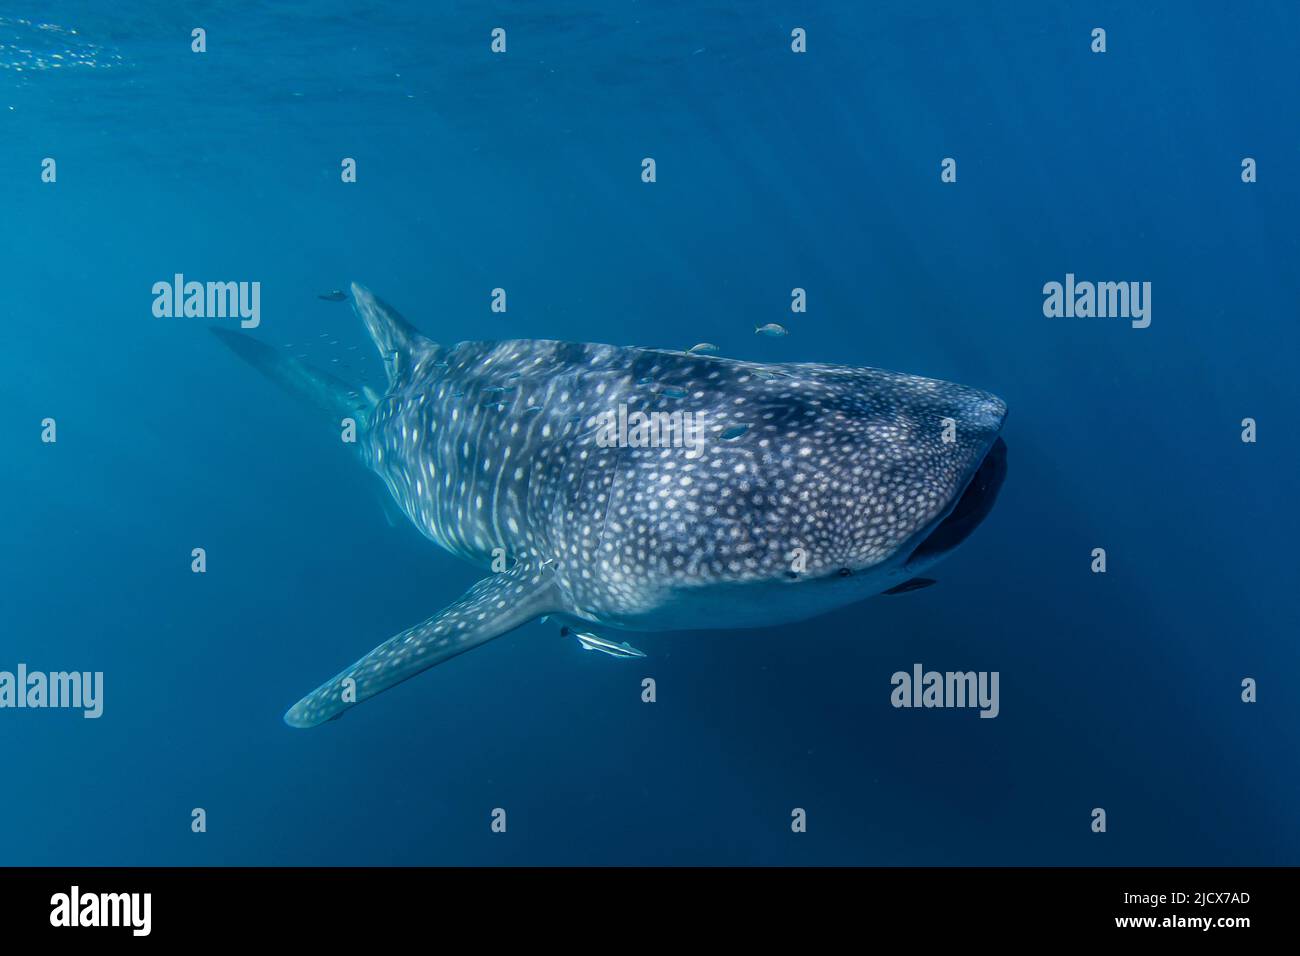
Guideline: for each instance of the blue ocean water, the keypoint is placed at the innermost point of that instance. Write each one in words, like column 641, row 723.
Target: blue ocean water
column 775, row 170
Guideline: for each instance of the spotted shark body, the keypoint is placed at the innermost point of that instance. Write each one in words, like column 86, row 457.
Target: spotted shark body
column 808, row 487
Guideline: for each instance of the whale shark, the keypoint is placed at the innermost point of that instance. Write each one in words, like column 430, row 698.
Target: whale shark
column 810, row 486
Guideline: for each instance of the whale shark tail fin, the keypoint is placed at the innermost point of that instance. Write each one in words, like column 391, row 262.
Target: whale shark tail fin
column 397, row 340
column 497, row 604
column 320, row 389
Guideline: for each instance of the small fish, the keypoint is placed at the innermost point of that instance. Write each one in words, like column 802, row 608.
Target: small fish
column 771, row 329
column 673, row 392
column 334, row 295
column 915, row 584
column 703, row 348
column 592, row 642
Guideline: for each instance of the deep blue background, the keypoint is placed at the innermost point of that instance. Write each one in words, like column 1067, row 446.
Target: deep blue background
column 775, row 171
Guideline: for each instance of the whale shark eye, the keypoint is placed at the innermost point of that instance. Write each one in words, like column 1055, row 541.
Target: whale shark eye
column 845, row 572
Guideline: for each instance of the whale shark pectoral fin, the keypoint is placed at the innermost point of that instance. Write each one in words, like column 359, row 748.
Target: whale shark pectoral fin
column 492, row 607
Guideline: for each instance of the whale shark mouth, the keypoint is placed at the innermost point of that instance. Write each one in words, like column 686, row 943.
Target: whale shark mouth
column 972, row 507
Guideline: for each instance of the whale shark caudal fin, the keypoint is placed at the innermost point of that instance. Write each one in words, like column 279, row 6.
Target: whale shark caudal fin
column 319, row 389
column 397, row 340
column 492, row 607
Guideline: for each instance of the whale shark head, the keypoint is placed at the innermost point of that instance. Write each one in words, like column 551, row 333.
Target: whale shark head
column 818, row 485
column 903, row 469
column 926, row 472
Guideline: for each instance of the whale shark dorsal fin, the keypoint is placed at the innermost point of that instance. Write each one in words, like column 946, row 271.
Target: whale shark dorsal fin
column 492, row 607
column 398, row 341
